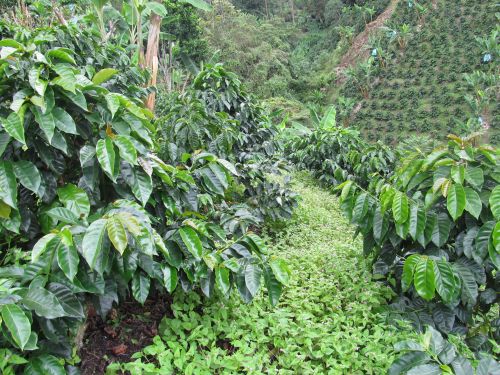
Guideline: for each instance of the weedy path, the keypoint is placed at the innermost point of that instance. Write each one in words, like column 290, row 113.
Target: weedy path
column 328, row 320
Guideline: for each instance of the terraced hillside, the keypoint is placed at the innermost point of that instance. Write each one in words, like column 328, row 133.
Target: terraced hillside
column 420, row 87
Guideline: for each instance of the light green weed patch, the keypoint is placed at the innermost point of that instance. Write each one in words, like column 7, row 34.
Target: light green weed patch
column 328, row 320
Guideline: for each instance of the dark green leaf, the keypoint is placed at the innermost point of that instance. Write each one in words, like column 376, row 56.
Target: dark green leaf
column 495, row 202
column 17, row 323
column 44, row 365
column 67, row 256
column 191, row 240
column 407, row 361
column 400, row 207
column 14, row 126
column 170, row 278
column 106, row 156
column 222, row 279
column 126, row 148
column 93, row 242
column 441, row 230
column 482, row 241
column 140, row 287
column 445, row 280
column 64, row 121
column 28, row 175
column 473, row 204
column 8, row 184
column 253, row 274
column 424, row 278
column 409, row 271
column 44, row 303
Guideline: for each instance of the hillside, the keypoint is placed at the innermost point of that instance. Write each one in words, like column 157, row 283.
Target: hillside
column 421, row 88
column 185, row 189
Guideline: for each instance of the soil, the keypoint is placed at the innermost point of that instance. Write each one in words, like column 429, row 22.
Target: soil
column 357, row 51
column 128, row 329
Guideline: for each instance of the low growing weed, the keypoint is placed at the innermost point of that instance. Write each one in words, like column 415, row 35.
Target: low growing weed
column 328, row 321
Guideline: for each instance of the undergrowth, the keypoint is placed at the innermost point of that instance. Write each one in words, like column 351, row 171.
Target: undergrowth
column 330, row 319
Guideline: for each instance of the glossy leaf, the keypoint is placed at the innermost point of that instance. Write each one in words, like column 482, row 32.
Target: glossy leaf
column 44, row 364
column 191, row 240
column 14, row 127
column 400, row 209
column 281, row 270
column 424, row 278
column 495, row 202
column 222, row 279
column 28, row 175
column 170, row 278
column 63, row 121
column 93, row 242
column 74, row 199
column 417, row 221
column 409, row 271
column 444, row 280
column 17, row 323
column 44, row 303
column 456, row 201
column 473, row 204
column 117, row 233
column 126, row 148
column 67, row 256
column 253, row 275
column 441, row 230
column 140, row 287
column 8, row 184
column 106, row 156
column 103, row 75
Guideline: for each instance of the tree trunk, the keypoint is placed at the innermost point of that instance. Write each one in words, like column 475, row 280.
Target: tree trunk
column 151, row 58
column 267, row 8
column 293, row 11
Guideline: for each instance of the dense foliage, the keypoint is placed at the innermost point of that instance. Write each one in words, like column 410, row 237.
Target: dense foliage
column 329, row 319
column 89, row 213
column 338, row 154
column 431, row 226
column 219, row 115
column 286, row 48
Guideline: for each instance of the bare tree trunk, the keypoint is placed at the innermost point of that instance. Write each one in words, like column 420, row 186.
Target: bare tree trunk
column 151, row 58
column 59, row 14
column 170, row 65
column 267, row 8
column 293, row 11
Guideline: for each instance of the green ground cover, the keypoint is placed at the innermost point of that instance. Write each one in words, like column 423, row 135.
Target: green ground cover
column 330, row 319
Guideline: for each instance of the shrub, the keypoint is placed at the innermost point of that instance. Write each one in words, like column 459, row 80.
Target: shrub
column 97, row 213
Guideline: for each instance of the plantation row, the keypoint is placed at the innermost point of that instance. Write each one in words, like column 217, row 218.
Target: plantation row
column 90, row 213
column 431, row 70
column 430, row 224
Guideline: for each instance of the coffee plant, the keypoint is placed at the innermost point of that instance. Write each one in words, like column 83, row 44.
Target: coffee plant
column 89, row 213
column 337, row 154
column 431, row 227
column 434, row 355
column 217, row 114
column 429, row 69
